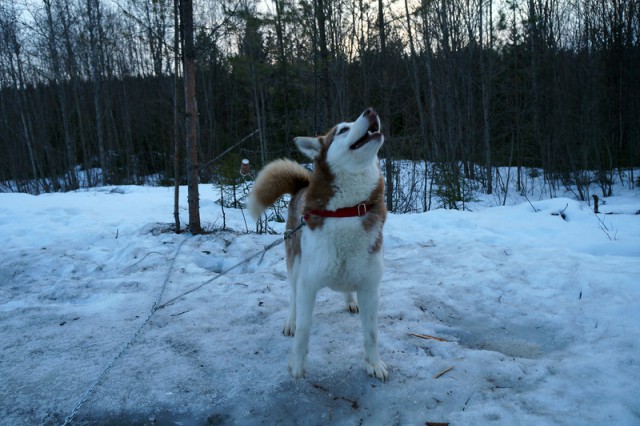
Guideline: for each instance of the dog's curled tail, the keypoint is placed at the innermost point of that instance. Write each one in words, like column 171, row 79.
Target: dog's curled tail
column 274, row 180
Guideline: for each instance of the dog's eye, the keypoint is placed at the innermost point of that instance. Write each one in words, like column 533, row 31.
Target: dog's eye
column 344, row 129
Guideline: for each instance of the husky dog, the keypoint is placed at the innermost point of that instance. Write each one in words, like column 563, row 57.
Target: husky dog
column 342, row 205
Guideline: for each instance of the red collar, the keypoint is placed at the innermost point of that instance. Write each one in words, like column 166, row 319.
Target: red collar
column 355, row 211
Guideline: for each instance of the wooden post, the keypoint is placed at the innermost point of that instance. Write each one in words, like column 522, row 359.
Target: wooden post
column 191, row 116
column 177, row 140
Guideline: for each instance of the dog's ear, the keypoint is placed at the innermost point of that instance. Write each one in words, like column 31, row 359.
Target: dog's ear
column 309, row 146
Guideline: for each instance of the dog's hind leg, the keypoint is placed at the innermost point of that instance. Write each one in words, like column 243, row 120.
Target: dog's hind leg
column 290, row 325
column 305, row 301
column 352, row 304
column 368, row 299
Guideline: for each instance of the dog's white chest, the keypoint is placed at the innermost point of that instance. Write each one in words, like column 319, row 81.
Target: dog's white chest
column 339, row 253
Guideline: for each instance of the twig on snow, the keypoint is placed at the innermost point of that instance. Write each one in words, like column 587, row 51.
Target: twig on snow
column 603, row 227
column 561, row 213
column 442, row 373
column 426, row 336
column 530, row 203
column 143, row 258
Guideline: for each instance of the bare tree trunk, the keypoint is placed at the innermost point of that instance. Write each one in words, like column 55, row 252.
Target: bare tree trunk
column 70, row 152
column 424, row 134
column 535, row 94
column 191, row 116
column 72, row 70
column 258, row 106
column 93, row 16
column 435, row 151
column 386, row 110
column 155, row 15
column 284, row 87
column 416, row 77
column 176, row 124
column 17, row 76
column 324, row 64
column 485, row 70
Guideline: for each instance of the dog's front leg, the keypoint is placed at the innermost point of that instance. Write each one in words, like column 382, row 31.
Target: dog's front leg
column 305, row 301
column 368, row 301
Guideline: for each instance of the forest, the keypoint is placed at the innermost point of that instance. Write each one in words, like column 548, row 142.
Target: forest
column 91, row 91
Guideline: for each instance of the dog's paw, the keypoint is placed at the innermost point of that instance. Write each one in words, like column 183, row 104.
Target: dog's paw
column 352, row 303
column 289, row 329
column 296, row 368
column 378, row 370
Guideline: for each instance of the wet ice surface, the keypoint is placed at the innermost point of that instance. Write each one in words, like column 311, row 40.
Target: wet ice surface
column 539, row 314
column 516, row 342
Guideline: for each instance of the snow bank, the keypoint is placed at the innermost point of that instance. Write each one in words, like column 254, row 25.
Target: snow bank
column 539, row 315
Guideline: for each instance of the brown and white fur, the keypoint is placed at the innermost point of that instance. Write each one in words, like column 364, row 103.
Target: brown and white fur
column 344, row 254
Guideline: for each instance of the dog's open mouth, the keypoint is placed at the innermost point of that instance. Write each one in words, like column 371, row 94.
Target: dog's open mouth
column 372, row 133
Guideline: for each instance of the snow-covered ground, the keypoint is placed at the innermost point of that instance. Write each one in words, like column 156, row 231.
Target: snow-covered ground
column 541, row 317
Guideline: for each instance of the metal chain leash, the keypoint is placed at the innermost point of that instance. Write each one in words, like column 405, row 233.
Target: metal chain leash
column 91, row 388
column 156, row 306
column 288, row 234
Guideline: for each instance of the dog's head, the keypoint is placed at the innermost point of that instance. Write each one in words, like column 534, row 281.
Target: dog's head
column 348, row 146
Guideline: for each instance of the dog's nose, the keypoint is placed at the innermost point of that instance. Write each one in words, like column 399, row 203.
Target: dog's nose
column 370, row 115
